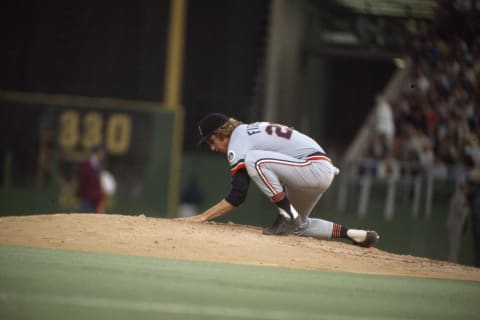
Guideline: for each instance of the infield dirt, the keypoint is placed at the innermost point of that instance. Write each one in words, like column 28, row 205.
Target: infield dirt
column 229, row 243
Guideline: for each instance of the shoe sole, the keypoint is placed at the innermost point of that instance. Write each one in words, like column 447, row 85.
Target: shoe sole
column 291, row 228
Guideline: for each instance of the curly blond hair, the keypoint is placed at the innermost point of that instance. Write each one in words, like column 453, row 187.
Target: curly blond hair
column 225, row 131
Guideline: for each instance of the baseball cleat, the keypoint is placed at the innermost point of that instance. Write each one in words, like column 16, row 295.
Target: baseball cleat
column 371, row 238
column 282, row 226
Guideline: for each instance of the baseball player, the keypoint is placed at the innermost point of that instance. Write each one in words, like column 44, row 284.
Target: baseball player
column 289, row 167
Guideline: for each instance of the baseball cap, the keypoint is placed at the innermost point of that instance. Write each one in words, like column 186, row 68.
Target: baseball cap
column 209, row 124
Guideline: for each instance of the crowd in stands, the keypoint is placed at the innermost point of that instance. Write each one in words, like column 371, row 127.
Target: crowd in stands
column 435, row 123
column 433, row 126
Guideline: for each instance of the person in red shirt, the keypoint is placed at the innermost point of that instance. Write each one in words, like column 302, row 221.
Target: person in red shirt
column 89, row 188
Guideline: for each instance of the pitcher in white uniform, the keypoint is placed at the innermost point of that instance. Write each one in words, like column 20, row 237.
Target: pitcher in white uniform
column 289, row 167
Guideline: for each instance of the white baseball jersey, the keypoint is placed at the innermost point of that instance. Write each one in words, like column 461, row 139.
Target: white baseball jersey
column 268, row 137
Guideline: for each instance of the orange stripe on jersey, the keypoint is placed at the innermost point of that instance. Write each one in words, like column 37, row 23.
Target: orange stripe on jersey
column 237, row 168
column 319, row 158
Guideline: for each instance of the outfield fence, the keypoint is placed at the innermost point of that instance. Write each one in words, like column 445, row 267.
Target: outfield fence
column 398, row 184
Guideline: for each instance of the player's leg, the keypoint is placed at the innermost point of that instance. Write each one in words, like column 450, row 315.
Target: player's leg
column 304, row 200
column 283, row 178
column 87, row 206
column 303, row 180
column 267, row 170
column 304, row 183
column 326, row 230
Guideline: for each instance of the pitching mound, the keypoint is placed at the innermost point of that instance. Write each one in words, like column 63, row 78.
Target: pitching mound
column 230, row 243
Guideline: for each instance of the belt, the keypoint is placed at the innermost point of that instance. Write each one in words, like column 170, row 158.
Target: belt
column 318, row 156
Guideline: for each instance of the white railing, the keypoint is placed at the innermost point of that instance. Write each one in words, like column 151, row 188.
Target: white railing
column 418, row 184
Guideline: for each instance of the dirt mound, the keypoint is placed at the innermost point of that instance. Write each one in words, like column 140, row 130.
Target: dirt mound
column 230, row 243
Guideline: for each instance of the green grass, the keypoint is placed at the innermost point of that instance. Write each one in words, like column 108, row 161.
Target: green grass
column 58, row 284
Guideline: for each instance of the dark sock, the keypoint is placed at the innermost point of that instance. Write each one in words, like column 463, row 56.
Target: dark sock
column 285, row 205
column 339, row 231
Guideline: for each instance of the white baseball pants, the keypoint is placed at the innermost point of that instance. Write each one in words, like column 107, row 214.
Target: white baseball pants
column 303, row 181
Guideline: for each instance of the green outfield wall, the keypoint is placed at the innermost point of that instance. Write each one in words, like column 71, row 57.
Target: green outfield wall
column 43, row 143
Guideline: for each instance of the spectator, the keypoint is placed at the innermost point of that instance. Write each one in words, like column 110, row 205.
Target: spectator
column 457, row 216
column 89, row 187
column 474, row 203
column 438, row 121
column 435, row 121
column 384, row 120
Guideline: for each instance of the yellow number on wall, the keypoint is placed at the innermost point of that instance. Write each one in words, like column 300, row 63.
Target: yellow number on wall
column 118, row 133
column 92, row 130
column 69, row 122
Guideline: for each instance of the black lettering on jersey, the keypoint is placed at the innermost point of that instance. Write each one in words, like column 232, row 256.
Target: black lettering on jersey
column 253, row 128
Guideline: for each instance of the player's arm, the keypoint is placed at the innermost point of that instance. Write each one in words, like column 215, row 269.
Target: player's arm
column 217, row 210
column 237, row 194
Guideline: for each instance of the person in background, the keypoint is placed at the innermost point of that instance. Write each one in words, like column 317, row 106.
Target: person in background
column 384, row 120
column 89, row 188
column 457, row 217
column 473, row 197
